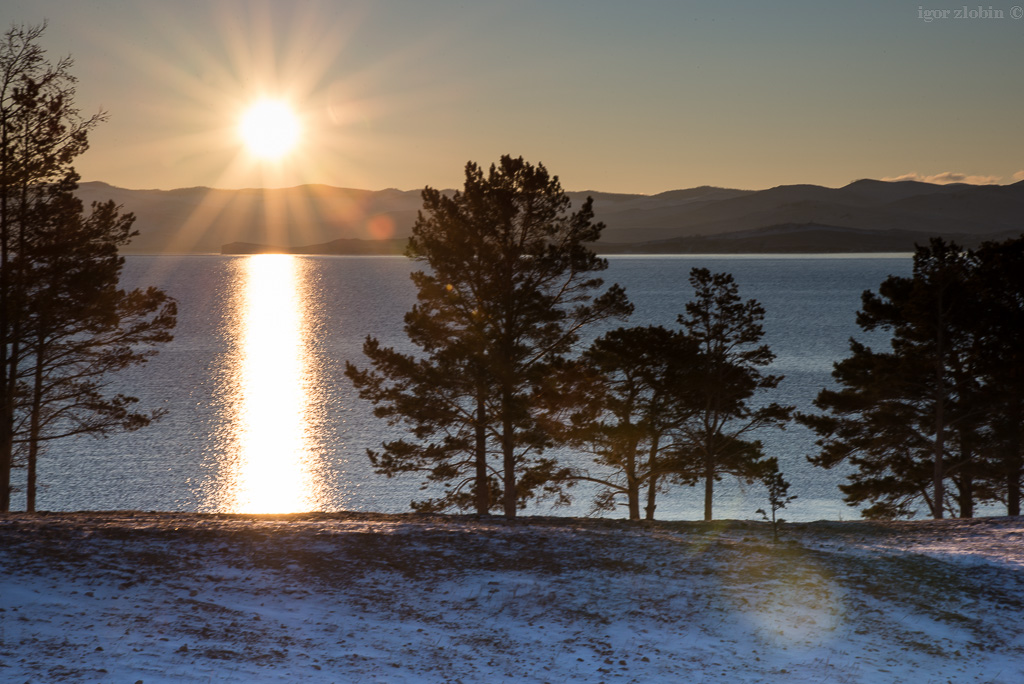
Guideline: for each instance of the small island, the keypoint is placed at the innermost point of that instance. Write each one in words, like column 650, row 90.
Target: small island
column 353, row 246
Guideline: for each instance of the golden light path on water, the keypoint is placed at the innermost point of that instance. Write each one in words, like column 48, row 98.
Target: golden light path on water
column 274, row 469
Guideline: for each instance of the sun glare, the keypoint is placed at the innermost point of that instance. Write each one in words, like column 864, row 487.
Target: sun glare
column 277, row 464
column 269, row 129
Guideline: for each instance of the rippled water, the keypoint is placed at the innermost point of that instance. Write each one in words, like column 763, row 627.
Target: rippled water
column 261, row 418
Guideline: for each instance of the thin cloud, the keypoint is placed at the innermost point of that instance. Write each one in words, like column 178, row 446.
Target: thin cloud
column 1019, row 176
column 953, row 177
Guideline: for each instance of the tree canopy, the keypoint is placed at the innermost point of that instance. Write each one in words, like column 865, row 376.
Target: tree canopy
column 510, row 283
column 940, row 406
column 633, row 388
column 65, row 325
column 718, row 437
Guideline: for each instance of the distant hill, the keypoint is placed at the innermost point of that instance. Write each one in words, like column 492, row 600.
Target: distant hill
column 202, row 220
column 866, row 215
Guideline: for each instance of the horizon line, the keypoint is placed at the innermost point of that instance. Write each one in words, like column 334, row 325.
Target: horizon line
column 892, row 181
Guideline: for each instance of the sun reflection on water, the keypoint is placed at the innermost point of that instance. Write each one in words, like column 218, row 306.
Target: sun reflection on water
column 275, row 465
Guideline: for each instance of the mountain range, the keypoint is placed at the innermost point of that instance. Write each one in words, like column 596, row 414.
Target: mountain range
column 864, row 216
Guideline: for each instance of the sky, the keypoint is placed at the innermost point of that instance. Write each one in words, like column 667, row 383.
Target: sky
column 612, row 96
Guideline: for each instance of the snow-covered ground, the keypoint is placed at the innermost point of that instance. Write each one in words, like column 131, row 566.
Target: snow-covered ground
column 159, row 597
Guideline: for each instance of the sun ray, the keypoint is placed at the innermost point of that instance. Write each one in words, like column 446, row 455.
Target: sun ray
column 293, row 57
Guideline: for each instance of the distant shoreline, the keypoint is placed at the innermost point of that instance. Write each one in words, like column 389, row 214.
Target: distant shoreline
column 774, row 241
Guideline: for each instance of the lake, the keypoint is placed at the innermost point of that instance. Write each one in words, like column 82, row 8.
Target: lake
column 260, row 417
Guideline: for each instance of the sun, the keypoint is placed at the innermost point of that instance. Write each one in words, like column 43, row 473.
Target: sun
column 269, row 129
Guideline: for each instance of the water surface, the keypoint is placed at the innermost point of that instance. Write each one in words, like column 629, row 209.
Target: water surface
column 261, row 418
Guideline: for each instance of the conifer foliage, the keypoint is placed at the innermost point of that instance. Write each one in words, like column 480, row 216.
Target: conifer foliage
column 935, row 419
column 509, row 284
column 719, row 436
column 779, row 497
column 65, row 325
column 658, row 406
column 635, row 389
column 999, row 316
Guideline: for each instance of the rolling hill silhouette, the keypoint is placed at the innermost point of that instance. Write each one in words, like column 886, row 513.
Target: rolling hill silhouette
column 866, row 215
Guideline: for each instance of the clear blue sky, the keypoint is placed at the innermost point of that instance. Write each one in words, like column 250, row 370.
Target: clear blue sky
column 615, row 96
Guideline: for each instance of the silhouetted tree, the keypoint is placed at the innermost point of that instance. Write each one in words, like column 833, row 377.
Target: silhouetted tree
column 903, row 417
column 636, row 392
column 82, row 329
column 64, row 324
column 445, row 403
column 727, row 332
column 778, row 497
column 511, row 282
column 998, row 272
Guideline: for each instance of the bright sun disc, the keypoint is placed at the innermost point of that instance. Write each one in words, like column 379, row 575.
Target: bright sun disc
column 269, row 129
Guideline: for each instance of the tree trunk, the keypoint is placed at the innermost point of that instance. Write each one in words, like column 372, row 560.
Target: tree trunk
column 14, row 303
column 966, row 498
column 6, row 403
column 632, row 482
column 633, row 492
column 483, row 488
column 8, row 366
column 939, row 446
column 6, row 451
column 652, row 478
column 35, row 417
column 1015, row 462
column 511, row 500
column 11, row 360
column 938, row 474
column 709, row 485
column 1014, row 472
column 652, row 487
column 33, row 443
column 1013, row 489
column 6, row 407
column 965, row 485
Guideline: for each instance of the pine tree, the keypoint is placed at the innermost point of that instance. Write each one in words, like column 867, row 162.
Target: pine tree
column 511, row 283
column 779, row 497
column 727, row 332
column 82, row 329
column 636, row 391
column 64, row 323
column 904, row 417
column 998, row 270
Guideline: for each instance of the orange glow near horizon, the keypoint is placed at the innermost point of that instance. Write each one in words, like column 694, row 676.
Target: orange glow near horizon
column 261, row 109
